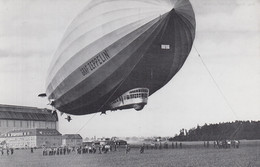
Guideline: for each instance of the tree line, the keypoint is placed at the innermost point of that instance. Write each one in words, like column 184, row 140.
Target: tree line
column 238, row 130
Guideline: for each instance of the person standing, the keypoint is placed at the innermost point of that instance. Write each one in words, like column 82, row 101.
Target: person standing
column 58, row 151
column 64, row 151
column 127, row 149
column 12, row 151
column 99, row 149
column 142, row 149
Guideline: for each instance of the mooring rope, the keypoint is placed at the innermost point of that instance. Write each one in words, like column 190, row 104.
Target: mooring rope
column 216, row 84
column 220, row 91
column 86, row 122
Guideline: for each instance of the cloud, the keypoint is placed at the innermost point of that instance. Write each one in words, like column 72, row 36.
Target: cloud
column 16, row 46
column 240, row 18
column 34, row 26
column 232, row 44
column 30, row 31
column 205, row 7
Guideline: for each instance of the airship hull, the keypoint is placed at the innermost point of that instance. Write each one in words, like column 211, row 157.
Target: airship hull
column 146, row 53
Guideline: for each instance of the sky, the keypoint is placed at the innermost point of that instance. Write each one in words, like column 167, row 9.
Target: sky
column 227, row 38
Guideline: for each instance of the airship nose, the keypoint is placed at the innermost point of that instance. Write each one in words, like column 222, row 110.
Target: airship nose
column 172, row 11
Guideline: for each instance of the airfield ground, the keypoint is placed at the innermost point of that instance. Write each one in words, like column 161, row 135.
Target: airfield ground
column 191, row 155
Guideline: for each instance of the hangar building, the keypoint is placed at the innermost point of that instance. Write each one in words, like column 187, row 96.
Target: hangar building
column 22, row 127
column 20, row 117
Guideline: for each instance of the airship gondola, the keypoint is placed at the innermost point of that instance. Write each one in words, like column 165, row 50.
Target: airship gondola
column 117, row 53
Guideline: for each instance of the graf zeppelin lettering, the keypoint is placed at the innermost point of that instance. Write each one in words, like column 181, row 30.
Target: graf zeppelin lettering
column 94, row 63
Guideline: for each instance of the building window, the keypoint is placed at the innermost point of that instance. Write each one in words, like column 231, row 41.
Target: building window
column 0, row 123
column 3, row 124
column 21, row 124
column 53, row 125
column 14, row 123
column 27, row 124
column 41, row 124
column 6, row 123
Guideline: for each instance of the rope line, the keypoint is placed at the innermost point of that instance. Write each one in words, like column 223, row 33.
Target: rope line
column 221, row 92
column 87, row 122
column 216, row 84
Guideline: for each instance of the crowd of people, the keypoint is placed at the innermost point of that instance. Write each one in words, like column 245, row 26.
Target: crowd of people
column 165, row 145
column 223, row 144
column 9, row 151
column 227, row 144
column 103, row 149
column 56, row 151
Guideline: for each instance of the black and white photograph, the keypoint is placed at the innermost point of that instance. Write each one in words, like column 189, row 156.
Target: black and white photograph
column 130, row 83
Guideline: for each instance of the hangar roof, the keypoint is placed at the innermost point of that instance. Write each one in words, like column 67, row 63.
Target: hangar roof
column 8, row 112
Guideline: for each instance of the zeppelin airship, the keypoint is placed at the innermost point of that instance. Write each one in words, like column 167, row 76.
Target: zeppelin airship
column 117, row 53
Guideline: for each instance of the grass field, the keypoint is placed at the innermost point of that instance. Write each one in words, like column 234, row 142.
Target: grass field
column 248, row 155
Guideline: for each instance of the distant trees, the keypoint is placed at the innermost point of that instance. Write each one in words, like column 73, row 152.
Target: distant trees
column 238, row 130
